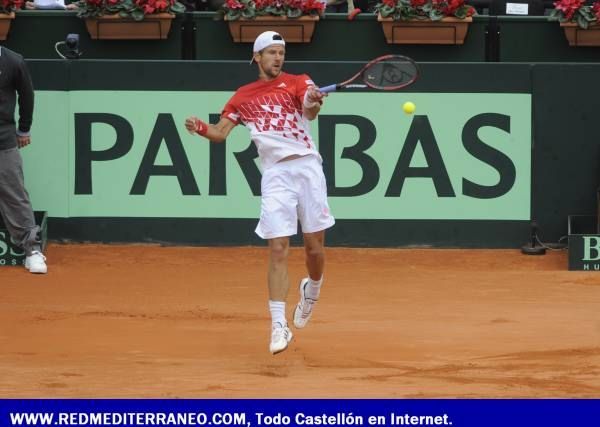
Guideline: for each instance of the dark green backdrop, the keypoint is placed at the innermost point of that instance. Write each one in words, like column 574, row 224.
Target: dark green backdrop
column 561, row 79
column 565, row 149
column 199, row 36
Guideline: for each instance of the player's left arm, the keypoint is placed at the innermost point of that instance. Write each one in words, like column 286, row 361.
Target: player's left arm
column 215, row 133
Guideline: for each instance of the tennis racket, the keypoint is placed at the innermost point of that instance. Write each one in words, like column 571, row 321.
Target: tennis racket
column 388, row 72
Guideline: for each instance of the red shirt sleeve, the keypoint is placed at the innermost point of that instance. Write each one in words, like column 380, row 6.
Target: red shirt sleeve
column 230, row 112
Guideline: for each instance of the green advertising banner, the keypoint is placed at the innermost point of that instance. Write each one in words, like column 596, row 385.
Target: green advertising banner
column 127, row 154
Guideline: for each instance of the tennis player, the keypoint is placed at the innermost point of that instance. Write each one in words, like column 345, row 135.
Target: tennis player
column 276, row 109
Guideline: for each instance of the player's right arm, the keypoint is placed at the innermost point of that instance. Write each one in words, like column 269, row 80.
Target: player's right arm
column 216, row 133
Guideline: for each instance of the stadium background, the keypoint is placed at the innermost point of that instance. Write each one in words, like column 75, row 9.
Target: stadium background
column 156, row 321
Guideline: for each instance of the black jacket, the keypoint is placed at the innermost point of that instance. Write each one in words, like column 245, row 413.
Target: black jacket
column 14, row 79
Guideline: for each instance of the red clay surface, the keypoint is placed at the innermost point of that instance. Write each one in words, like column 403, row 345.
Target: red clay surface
column 148, row 321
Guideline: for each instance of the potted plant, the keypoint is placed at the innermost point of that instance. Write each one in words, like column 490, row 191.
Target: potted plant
column 579, row 21
column 7, row 14
column 293, row 19
column 425, row 21
column 128, row 19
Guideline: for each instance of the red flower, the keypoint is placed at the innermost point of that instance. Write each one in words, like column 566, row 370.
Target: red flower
column 133, row 8
column 276, row 7
column 569, row 7
column 161, row 5
column 453, row 5
column 10, row 5
column 596, row 10
column 261, row 4
column 234, row 4
column 313, row 6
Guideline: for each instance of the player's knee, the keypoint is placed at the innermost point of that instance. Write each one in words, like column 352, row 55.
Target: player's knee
column 279, row 252
column 314, row 251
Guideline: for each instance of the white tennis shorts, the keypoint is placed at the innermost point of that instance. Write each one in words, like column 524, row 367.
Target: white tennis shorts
column 292, row 191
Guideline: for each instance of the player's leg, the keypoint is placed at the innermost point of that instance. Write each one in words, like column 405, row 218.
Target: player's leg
column 315, row 218
column 278, row 290
column 17, row 212
column 278, row 221
column 310, row 286
column 278, row 269
column 314, row 249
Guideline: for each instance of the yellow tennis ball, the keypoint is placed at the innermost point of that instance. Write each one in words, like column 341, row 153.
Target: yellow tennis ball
column 409, row 107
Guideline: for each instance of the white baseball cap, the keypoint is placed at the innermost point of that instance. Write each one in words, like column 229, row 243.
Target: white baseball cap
column 266, row 39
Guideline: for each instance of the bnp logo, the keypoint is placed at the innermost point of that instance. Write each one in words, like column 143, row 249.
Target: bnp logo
column 591, row 253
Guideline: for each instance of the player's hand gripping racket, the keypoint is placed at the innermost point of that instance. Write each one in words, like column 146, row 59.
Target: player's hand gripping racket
column 388, row 72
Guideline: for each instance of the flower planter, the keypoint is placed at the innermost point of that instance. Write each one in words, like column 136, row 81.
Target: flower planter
column 580, row 36
column 297, row 30
column 445, row 31
column 114, row 27
column 5, row 21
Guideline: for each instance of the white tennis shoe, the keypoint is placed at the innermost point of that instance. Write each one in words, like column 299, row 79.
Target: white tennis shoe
column 36, row 263
column 305, row 306
column 281, row 335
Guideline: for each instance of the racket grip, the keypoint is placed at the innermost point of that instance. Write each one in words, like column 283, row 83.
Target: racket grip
column 327, row 89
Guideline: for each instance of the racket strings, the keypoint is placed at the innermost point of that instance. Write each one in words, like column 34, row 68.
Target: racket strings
column 389, row 74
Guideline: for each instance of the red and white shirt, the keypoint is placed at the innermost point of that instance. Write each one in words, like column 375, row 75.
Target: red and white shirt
column 272, row 111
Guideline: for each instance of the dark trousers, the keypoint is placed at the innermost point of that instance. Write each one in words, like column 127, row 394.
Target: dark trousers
column 15, row 206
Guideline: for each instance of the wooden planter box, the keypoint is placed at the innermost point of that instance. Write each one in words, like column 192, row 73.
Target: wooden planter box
column 114, row 27
column 445, row 31
column 297, row 30
column 5, row 21
column 581, row 37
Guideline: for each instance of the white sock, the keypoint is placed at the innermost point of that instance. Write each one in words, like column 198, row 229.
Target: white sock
column 277, row 312
column 313, row 289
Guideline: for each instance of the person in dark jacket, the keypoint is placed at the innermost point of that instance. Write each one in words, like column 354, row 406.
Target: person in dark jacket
column 15, row 206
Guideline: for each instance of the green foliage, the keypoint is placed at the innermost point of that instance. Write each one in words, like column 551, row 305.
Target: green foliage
column 575, row 11
column 136, row 10
column 433, row 10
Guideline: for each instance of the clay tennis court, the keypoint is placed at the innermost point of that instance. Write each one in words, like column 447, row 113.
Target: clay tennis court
column 151, row 321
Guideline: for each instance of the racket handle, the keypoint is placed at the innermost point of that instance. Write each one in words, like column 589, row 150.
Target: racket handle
column 327, row 89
